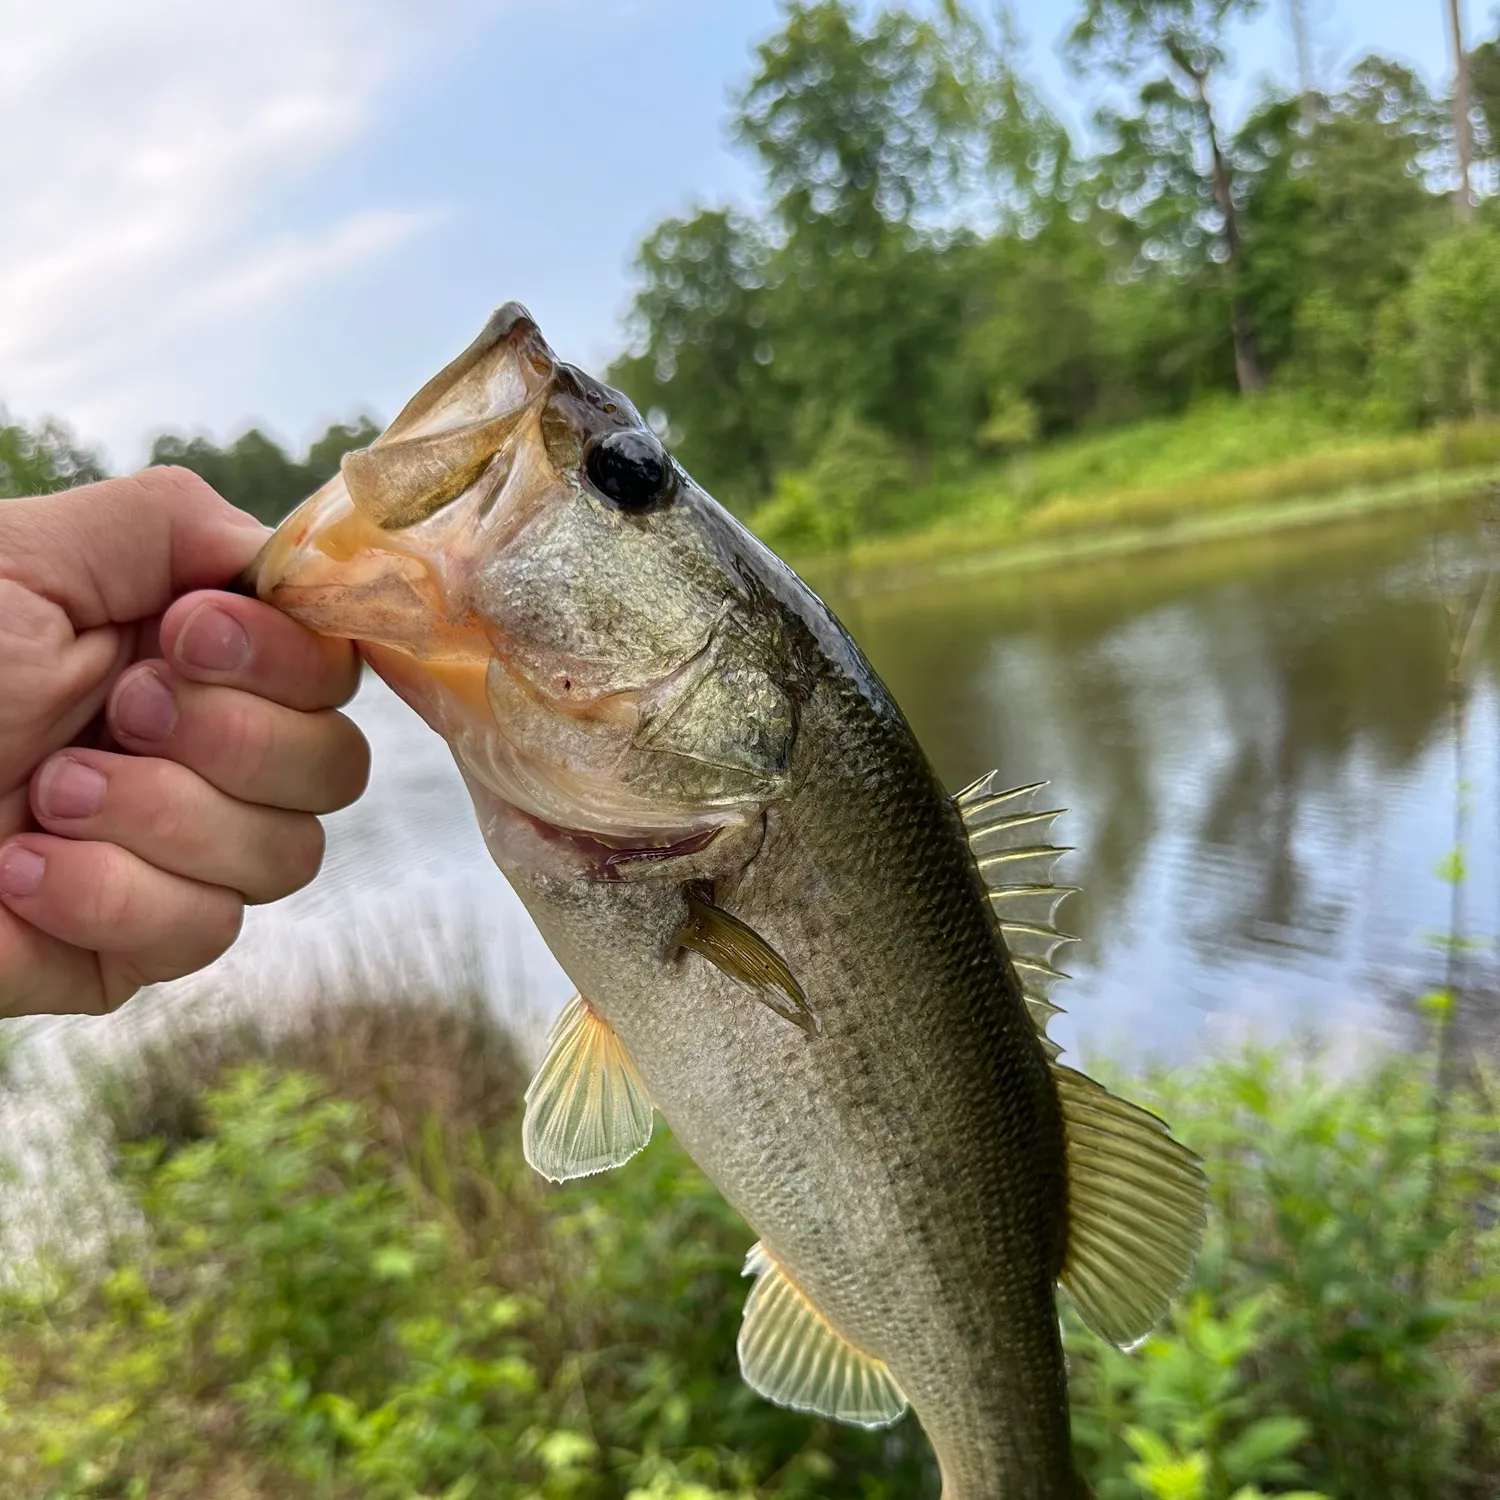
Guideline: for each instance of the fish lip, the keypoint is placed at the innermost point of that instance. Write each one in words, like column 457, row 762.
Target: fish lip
column 604, row 858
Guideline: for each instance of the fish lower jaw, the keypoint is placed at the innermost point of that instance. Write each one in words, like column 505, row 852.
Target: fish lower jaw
column 521, row 838
column 600, row 858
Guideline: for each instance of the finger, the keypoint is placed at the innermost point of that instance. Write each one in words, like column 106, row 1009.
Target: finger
column 125, row 548
column 236, row 642
column 106, row 900
column 40, row 975
column 172, row 818
column 254, row 750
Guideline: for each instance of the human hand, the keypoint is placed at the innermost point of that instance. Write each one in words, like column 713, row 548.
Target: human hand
column 161, row 762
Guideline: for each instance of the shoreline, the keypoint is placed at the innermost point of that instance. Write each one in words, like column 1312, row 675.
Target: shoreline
column 880, row 567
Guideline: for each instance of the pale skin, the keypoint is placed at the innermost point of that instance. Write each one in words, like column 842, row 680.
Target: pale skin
column 165, row 748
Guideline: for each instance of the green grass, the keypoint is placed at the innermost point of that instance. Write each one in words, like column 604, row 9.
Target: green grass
column 1223, row 466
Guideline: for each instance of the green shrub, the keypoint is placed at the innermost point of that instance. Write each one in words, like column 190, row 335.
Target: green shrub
column 375, row 1299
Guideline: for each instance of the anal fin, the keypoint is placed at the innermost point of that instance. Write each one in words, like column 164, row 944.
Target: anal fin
column 791, row 1354
column 1137, row 1202
column 586, row 1109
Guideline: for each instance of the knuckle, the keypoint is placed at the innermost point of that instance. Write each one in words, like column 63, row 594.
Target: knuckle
column 293, row 857
column 169, row 823
column 111, row 901
column 176, row 482
column 252, row 740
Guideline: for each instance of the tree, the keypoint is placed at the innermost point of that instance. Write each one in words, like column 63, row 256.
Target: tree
column 42, row 460
column 255, row 472
column 1165, row 166
column 1462, row 140
column 1484, row 110
column 858, row 132
column 1454, row 327
column 702, row 351
column 1336, row 213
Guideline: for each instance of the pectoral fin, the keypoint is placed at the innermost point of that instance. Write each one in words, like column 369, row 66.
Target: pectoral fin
column 791, row 1354
column 744, row 955
column 586, row 1109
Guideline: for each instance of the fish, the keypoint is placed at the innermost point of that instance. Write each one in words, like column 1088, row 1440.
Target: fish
column 828, row 975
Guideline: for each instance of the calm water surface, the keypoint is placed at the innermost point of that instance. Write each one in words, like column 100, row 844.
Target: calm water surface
column 1255, row 745
column 1252, row 740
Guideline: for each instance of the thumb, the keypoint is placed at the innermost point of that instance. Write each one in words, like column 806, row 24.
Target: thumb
column 123, row 549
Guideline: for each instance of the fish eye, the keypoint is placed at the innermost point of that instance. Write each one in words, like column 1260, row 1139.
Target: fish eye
column 631, row 470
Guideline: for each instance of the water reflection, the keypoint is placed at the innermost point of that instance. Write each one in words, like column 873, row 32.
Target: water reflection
column 1253, row 740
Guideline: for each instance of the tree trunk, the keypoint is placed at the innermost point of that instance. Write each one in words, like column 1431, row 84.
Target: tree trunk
column 1248, row 370
column 1298, row 18
column 1461, row 134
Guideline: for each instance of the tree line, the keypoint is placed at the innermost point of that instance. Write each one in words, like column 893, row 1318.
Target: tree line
column 253, row 472
column 944, row 274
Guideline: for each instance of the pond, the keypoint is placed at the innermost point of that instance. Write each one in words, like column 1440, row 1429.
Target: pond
column 1255, row 745
column 1253, row 740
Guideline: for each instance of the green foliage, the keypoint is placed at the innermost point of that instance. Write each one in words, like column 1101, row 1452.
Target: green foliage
column 335, row 1300
column 857, row 130
column 858, row 482
column 1329, row 1302
column 939, row 262
column 1450, row 365
column 704, row 350
column 42, row 460
column 256, row 474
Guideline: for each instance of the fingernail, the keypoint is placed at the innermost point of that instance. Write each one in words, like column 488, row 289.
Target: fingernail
column 213, row 641
column 21, row 871
column 144, row 707
column 69, row 789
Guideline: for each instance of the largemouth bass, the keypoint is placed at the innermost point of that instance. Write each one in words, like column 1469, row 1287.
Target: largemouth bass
column 827, row 974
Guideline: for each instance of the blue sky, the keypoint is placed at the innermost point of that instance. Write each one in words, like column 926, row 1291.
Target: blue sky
column 288, row 210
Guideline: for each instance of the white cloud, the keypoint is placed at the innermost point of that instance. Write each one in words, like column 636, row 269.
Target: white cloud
column 145, row 145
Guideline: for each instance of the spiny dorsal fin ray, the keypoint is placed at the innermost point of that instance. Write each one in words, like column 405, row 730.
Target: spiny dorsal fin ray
column 791, row 1354
column 1137, row 1200
column 586, row 1109
column 1137, row 1203
column 1008, row 835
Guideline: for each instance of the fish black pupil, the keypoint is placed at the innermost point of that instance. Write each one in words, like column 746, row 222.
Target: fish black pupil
column 631, row 470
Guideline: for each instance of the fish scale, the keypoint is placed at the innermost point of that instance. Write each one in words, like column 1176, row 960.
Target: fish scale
column 829, row 977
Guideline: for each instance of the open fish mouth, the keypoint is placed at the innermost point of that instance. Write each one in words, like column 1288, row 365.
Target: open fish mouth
column 521, row 561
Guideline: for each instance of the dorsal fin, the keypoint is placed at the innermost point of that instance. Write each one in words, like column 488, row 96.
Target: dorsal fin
column 1009, row 835
column 1137, row 1200
column 791, row 1354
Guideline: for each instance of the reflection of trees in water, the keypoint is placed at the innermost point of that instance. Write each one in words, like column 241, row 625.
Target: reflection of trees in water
column 1237, row 718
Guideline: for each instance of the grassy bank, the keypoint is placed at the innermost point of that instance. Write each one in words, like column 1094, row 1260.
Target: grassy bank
column 345, row 1283
column 1221, row 470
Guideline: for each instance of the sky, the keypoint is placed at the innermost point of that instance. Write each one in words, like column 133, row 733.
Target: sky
column 283, row 212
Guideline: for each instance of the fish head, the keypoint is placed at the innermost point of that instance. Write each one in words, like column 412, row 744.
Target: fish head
column 522, row 561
